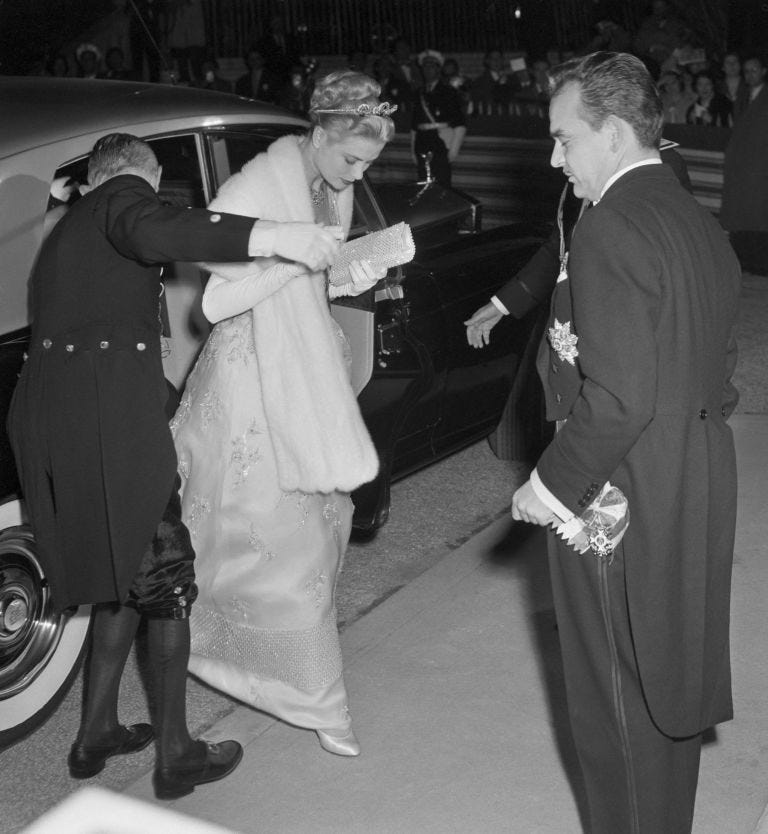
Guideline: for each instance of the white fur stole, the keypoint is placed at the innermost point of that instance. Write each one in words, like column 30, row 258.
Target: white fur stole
column 320, row 441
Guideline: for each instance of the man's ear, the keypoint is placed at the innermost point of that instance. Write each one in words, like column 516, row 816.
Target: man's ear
column 157, row 178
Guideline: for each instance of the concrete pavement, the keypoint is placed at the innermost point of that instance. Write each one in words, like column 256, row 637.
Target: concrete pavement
column 457, row 695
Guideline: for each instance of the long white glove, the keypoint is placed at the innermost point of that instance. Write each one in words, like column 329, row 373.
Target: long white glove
column 306, row 243
column 363, row 275
column 224, row 298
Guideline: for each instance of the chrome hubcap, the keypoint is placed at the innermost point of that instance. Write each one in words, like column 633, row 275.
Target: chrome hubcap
column 29, row 628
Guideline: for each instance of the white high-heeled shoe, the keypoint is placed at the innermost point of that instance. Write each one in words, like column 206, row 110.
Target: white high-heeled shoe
column 342, row 743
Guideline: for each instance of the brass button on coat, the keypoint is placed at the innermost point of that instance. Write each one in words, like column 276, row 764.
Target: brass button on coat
column 47, row 344
column 104, row 345
column 703, row 414
column 141, row 346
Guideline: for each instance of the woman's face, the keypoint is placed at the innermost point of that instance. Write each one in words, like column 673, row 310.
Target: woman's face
column 342, row 160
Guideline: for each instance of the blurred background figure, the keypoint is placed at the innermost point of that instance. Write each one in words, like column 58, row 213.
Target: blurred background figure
column 493, row 89
column 145, row 37
column 406, row 72
column 170, row 71
column 744, row 210
column 710, row 109
column 297, row 92
column 115, row 66
column 210, row 79
column 258, row 82
column 609, row 37
column 438, row 123
column 451, row 75
column 357, row 60
column 754, row 84
column 732, row 85
column 58, row 66
column 676, row 101
column 88, row 57
column 279, row 48
column 394, row 88
column 659, row 35
column 532, row 99
column 187, row 38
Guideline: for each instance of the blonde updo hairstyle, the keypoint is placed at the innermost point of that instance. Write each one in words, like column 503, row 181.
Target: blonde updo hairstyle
column 346, row 90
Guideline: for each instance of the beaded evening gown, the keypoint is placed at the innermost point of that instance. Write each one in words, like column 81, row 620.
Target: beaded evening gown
column 264, row 624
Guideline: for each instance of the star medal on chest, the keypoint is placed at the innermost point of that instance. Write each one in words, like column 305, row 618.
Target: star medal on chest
column 563, row 341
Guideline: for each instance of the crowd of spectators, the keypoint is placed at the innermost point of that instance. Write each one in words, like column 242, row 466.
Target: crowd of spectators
column 697, row 87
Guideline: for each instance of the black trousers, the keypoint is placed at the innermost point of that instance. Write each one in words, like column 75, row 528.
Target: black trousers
column 638, row 780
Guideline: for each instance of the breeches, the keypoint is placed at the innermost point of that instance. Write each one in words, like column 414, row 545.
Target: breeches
column 637, row 779
column 164, row 587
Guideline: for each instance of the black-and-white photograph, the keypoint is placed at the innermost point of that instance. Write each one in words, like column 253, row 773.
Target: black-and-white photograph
column 383, row 416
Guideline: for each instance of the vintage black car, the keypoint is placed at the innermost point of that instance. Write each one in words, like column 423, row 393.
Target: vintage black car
column 423, row 391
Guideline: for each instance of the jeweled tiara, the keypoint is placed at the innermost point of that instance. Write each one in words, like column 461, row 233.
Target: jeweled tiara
column 384, row 108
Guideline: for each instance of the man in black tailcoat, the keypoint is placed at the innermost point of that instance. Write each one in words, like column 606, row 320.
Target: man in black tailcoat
column 636, row 366
column 518, row 435
column 96, row 460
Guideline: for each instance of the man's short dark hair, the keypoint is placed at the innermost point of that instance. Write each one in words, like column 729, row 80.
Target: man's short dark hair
column 118, row 152
column 755, row 56
column 614, row 84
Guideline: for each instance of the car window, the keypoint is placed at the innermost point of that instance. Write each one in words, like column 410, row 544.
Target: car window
column 181, row 183
column 230, row 150
column 182, row 180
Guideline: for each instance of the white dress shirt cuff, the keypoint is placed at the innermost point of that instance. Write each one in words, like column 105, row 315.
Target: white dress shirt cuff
column 499, row 306
column 543, row 494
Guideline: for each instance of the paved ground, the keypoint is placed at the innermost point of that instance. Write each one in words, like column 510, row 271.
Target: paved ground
column 456, row 687
column 433, row 512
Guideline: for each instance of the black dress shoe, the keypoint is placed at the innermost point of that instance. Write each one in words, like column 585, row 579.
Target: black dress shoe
column 180, row 779
column 85, row 762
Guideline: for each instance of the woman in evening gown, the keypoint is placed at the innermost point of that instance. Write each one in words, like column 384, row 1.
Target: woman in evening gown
column 269, row 435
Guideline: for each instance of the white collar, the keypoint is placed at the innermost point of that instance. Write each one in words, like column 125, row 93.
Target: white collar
column 652, row 161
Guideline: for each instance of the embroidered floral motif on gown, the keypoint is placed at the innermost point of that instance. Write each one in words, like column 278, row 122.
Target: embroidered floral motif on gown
column 264, row 624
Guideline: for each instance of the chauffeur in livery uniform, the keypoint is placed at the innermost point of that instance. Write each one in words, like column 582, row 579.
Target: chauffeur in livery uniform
column 89, row 429
column 636, row 365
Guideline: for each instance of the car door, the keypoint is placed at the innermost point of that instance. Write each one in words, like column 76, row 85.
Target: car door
column 478, row 381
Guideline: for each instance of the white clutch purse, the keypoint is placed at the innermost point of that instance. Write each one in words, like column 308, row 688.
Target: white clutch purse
column 388, row 247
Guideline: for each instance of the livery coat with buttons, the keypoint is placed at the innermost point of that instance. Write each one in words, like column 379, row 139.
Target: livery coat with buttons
column 645, row 391
column 88, row 422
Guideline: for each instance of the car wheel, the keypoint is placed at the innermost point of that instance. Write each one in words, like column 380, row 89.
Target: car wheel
column 40, row 650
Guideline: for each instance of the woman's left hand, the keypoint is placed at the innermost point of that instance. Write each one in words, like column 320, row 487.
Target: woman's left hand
column 363, row 276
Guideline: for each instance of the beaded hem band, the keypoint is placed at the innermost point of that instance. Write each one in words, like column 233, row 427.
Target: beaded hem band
column 364, row 109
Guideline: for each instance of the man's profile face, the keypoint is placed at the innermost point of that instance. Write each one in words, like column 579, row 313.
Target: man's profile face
column 583, row 153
